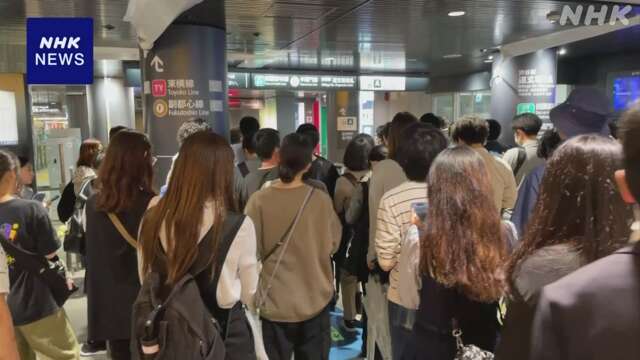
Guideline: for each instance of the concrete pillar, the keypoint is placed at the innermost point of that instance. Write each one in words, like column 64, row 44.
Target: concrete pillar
column 286, row 109
column 184, row 77
column 342, row 121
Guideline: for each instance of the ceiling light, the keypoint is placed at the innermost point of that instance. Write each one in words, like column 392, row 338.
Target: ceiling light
column 553, row 16
column 452, row 56
column 456, row 13
column 562, row 51
column 488, row 60
column 490, row 57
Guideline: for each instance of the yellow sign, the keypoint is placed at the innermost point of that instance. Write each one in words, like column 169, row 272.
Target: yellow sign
column 160, row 108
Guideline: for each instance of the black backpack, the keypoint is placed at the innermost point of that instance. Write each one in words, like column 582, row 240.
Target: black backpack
column 356, row 260
column 175, row 322
column 75, row 239
column 67, row 203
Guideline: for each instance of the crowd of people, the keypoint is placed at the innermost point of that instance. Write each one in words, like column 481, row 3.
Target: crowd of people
column 440, row 241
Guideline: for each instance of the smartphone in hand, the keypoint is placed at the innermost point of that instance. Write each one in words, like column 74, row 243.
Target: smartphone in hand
column 419, row 210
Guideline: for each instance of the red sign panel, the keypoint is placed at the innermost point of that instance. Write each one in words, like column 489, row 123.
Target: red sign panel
column 159, row 88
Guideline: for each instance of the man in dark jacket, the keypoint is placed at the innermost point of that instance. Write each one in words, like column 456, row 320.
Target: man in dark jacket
column 594, row 313
column 321, row 168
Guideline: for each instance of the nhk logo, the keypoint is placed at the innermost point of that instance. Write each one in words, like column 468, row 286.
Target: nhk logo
column 59, row 50
column 57, row 58
column 592, row 14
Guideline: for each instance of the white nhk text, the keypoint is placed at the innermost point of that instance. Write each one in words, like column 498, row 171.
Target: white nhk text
column 59, row 58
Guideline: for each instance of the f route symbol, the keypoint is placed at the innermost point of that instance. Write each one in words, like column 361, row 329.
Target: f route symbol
column 157, row 64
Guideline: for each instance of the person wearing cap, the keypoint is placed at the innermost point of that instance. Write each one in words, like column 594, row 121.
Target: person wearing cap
column 585, row 111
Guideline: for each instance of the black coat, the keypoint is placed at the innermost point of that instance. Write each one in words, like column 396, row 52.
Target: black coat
column 433, row 327
column 112, row 281
column 544, row 267
column 592, row 314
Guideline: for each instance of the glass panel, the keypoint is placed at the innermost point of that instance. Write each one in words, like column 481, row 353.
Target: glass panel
column 476, row 103
column 443, row 106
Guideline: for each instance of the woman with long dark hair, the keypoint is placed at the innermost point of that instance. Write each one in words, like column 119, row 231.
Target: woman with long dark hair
column 123, row 191
column 579, row 217
column 462, row 252
column 187, row 225
column 298, row 231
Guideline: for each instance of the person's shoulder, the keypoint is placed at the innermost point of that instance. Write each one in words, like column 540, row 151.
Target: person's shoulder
column 386, row 167
column 503, row 164
column 317, row 184
column 394, row 191
column 28, row 205
column 254, row 175
column 319, row 192
column 560, row 259
column 614, row 274
column 387, row 164
column 511, row 152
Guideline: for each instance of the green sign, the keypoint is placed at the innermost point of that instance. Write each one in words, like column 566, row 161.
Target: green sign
column 526, row 108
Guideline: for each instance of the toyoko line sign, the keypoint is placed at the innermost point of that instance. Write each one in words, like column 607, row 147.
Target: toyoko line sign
column 59, row 50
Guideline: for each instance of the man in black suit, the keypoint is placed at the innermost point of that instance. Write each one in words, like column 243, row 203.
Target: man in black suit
column 594, row 313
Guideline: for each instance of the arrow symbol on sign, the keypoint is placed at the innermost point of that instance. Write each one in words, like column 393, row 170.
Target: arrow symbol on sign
column 157, row 63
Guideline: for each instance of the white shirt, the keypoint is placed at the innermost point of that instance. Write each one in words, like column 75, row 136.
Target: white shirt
column 239, row 277
column 4, row 273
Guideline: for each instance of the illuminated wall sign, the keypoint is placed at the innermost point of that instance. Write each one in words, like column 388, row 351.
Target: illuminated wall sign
column 383, row 83
column 238, row 80
column 303, row 81
column 343, row 82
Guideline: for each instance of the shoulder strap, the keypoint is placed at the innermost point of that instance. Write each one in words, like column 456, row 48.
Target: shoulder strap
column 287, row 238
column 244, row 169
column 26, row 260
column 82, row 196
column 352, row 179
column 522, row 157
column 122, row 230
column 232, row 223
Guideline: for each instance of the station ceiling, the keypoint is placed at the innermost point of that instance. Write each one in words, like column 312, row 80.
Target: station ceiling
column 381, row 36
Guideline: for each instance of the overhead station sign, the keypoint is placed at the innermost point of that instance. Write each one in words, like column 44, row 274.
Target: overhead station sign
column 282, row 81
column 383, row 83
column 238, row 80
column 59, row 50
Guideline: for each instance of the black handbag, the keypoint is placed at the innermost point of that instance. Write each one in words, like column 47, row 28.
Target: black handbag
column 74, row 239
column 53, row 273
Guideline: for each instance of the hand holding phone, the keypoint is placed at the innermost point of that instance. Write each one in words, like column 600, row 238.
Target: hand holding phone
column 419, row 211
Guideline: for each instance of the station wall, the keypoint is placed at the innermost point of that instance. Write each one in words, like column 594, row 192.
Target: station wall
column 386, row 105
